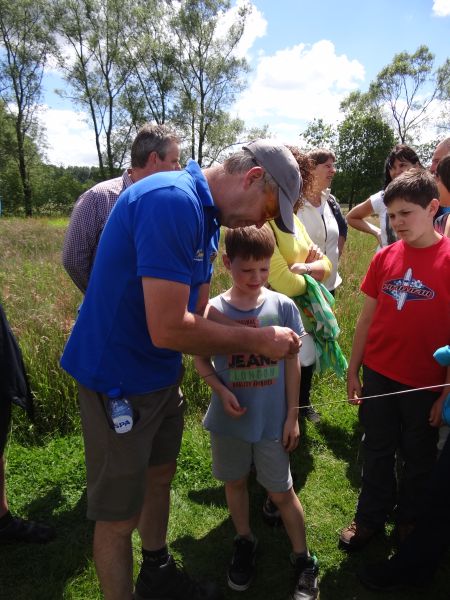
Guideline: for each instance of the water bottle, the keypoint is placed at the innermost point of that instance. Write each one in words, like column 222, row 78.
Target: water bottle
column 120, row 410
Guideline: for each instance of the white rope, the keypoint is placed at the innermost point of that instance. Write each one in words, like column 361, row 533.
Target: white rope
column 358, row 400
column 353, row 400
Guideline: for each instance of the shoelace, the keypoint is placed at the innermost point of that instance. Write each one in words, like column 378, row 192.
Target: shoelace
column 307, row 578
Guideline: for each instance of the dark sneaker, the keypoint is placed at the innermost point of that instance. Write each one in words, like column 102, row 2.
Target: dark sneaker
column 242, row 566
column 17, row 529
column 310, row 413
column 271, row 514
column 306, row 575
column 389, row 576
column 170, row 582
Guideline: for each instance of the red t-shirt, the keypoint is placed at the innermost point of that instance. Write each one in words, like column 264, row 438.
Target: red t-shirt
column 412, row 316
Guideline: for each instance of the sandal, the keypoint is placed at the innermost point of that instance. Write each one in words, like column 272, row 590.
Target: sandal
column 21, row 530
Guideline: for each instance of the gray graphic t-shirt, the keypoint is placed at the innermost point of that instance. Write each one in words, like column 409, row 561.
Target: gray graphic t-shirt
column 257, row 381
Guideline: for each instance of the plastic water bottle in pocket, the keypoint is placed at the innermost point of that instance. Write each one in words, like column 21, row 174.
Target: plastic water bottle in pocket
column 120, row 411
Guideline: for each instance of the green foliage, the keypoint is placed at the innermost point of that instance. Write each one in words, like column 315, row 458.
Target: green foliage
column 404, row 91
column 363, row 144
column 97, row 70
column 26, row 40
column 319, row 134
column 209, row 75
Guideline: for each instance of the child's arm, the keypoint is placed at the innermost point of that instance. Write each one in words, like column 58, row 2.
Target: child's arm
column 436, row 410
column 230, row 403
column 291, row 429
column 359, row 342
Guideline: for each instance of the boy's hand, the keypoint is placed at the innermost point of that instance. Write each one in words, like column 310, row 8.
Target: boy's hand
column 231, row 405
column 435, row 418
column 353, row 388
column 291, row 434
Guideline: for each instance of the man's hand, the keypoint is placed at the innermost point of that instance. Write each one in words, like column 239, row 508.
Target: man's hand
column 279, row 342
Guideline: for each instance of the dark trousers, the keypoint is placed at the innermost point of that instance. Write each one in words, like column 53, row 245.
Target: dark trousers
column 394, row 424
column 423, row 548
column 305, row 385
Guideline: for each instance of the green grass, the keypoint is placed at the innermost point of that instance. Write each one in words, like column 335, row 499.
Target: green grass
column 46, row 477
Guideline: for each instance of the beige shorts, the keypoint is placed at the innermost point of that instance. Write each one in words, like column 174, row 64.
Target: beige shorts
column 116, row 464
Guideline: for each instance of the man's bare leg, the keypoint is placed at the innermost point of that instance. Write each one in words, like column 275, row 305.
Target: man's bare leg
column 113, row 558
column 155, row 511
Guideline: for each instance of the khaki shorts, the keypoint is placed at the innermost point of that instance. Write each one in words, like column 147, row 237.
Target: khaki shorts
column 116, row 464
column 232, row 460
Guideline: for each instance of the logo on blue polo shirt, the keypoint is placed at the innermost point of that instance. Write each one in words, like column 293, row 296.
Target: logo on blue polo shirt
column 199, row 255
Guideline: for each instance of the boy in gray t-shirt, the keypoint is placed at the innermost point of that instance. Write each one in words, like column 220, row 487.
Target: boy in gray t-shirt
column 253, row 415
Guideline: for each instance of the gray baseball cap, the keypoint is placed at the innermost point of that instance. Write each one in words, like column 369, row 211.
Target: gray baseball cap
column 280, row 163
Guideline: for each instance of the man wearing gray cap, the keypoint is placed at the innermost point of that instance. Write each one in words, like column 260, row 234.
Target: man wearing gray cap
column 143, row 308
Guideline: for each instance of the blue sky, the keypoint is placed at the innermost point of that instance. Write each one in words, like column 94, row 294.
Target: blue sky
column 304, row 60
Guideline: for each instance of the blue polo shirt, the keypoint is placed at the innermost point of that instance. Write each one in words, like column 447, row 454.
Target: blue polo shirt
column 164, row 226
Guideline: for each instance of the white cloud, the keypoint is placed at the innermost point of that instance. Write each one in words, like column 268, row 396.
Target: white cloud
column 299, row 84
column 255, row 26
column 70, row 139
column 441, row 8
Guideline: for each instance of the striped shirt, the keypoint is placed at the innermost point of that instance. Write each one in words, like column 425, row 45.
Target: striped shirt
column 88, row 219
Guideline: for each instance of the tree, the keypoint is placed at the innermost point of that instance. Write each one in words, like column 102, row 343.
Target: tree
column 97, row 70
column 150, row 89
column 443, row 76
column 404, row 92
column 209, row 75
column 364, row 141
column 319, row 134
column 27, row 42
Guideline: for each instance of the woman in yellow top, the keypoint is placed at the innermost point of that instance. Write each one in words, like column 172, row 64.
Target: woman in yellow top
column 296, row 255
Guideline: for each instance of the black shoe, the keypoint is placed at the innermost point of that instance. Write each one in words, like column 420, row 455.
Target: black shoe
column 170, row 582
column 17, row 529
column 306, row 575
column 310, row 413
column 242, row 566
column 271, row 514
column 390, row 575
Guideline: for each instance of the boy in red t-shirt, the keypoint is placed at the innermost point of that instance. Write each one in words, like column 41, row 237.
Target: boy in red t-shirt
column 404, row 319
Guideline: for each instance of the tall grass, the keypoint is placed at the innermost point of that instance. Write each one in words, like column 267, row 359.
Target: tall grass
column 40, row 302
column 46, row 480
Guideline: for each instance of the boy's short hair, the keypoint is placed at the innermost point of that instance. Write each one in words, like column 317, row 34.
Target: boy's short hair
column 416, row 186
column 443, row 171
column 249, row 242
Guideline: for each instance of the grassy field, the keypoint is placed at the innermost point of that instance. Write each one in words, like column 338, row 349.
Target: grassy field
column 46, row 469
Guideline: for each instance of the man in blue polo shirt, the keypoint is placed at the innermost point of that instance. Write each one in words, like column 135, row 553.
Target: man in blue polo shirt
column 143, row 308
